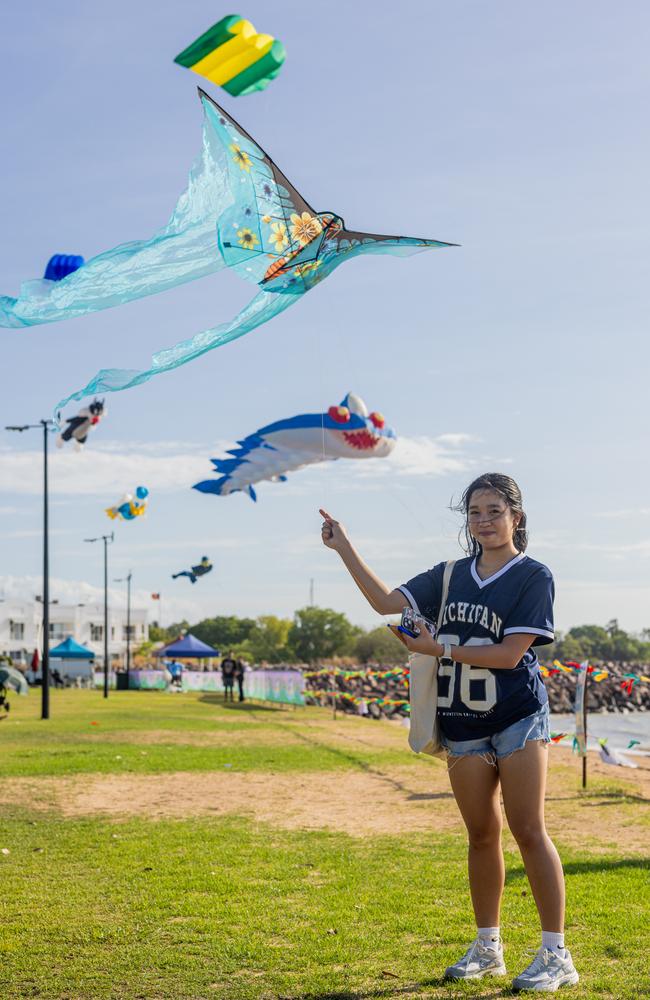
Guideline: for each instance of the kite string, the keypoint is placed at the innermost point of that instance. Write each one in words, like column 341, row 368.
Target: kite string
column 395, row 496
column 326, row 472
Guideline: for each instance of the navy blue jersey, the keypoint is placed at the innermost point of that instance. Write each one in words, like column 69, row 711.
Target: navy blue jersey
column 474, row 702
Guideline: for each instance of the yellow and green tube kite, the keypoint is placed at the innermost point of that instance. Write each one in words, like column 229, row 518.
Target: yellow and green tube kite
column 234, row 56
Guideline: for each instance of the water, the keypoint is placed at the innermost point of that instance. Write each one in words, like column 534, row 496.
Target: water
column 617, row 729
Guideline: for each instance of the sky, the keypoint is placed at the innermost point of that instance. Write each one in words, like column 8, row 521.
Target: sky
column 515, row 130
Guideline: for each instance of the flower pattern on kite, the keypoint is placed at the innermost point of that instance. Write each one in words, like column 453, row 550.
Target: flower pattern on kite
column 239, row 211
column 344, row 431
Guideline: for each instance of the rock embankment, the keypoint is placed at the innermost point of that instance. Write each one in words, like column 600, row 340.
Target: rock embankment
column 379, row 696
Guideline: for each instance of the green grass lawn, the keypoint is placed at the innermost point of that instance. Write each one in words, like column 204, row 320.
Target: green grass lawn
column 87, row 734
column 230, row 908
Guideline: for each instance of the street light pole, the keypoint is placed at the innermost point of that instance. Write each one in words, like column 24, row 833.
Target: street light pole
column 45, row 692
column 105, row 539
column 46, row 425
column 128, row 622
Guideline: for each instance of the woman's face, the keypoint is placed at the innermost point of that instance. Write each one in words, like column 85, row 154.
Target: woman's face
column 491, row 521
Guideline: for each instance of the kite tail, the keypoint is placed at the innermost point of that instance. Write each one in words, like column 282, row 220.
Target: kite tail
column 259, row 310
column 184, row 250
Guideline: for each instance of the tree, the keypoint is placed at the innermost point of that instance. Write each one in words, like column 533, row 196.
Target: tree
column 223, row 632
column 569, row 649
column 380, row 646
column 145, row 648
column 169, row 633
column 594, row 640
column 267, row 640
column 317, row 633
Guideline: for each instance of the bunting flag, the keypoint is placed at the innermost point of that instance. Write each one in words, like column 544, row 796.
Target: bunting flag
column 627, row 684
column 399, row 673
column 628, row 680
column 359, row 701
column 580, row 738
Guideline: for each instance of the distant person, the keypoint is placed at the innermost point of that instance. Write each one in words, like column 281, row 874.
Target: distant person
column 240, row 671
column 176, row 670
column 228, row 671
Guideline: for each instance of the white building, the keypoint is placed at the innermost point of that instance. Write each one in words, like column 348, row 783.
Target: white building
column 21, row 624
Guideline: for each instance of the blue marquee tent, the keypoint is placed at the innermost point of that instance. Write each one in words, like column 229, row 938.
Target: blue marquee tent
column 188, row 647
column 71, row 650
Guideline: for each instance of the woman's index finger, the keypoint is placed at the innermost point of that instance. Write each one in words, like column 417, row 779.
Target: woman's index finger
column 328, row 517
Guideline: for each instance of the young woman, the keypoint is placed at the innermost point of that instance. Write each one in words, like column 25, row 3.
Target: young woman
column 493, row 712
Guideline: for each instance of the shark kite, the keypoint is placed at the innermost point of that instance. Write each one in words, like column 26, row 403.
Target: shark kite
column 345, row 431
column 239, row 211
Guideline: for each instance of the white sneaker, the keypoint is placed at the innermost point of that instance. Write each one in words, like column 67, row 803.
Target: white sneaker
column 478, row 961
column 547, row 972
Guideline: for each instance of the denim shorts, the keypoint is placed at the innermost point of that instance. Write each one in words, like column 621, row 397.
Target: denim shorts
column 506, row 742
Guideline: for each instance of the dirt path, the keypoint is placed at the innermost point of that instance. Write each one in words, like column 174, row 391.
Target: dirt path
column 375, row 800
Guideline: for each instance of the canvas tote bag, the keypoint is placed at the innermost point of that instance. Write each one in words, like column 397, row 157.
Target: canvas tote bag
column 424, row 732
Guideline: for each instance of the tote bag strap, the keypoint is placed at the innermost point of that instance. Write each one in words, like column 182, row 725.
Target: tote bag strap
column 446, row 577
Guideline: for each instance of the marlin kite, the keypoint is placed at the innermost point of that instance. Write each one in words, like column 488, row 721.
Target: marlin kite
column 238, row 211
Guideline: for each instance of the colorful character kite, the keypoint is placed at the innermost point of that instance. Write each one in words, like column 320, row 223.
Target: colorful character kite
column 345, row 431
column 238, row 211
column 193, row 574
column 61, row 265
column 614, row 757
column 79, row 427
column 232, row 55
column 130, row 507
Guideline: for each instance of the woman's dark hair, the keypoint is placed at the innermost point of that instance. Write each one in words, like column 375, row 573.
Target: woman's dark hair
column 506, row 488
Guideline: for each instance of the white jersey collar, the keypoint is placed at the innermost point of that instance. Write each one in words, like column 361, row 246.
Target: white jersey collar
column 495, row 576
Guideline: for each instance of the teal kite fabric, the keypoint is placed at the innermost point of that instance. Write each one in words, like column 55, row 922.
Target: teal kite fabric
column 238, row 211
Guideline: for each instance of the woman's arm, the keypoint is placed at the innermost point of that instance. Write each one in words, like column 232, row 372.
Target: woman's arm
column 375, row 591
column 503, row 655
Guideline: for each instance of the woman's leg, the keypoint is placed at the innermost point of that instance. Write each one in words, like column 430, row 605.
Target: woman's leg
column 523, row 783
column 475, row 785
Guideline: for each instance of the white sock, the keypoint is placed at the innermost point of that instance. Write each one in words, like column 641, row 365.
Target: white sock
column 490, row 937
column 554, row 942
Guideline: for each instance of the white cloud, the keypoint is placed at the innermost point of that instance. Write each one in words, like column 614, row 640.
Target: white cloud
column 156, row 447
column 550, row 539
column 615, row 550
column 110, row 468
column 623, row 512
column 580, row 601
column 25, row 588
column 455, row 440
column 421, row 456
column 426, row 456
column 106, row 470
column 562, row 540
column 402, row 550
column 36, row 533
